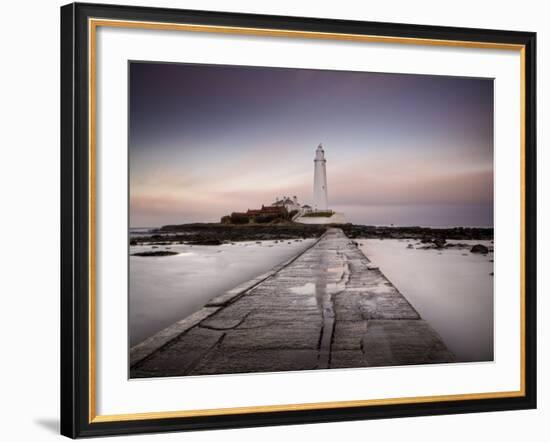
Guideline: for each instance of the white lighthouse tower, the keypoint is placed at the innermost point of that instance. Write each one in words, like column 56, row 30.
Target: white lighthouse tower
column 319, row 213
column 320, row 199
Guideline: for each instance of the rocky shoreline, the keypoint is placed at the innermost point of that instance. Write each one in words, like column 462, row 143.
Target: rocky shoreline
column 217, row 233
column 425, row 234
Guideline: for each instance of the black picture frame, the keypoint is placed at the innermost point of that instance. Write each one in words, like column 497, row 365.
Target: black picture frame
column 76, row 402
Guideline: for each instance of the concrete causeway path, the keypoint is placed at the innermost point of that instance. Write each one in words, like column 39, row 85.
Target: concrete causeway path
column 326, row 308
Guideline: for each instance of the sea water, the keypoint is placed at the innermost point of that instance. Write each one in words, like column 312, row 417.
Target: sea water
column 451, row 288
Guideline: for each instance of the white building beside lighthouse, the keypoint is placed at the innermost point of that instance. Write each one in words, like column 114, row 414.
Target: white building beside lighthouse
column 320, row 194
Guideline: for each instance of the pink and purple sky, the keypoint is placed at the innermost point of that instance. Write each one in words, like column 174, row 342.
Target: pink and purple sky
column 208, row 140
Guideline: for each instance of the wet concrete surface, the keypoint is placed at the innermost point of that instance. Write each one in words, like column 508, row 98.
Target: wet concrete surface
column 328, row 308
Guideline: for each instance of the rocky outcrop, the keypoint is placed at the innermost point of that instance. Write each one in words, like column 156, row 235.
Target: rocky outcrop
column 424, row 234
column 479, row 248
column 155, row 253
column 205, row 242
column 215, row 234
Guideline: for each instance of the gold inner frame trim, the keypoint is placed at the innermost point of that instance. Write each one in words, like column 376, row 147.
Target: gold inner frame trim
column 93, row 24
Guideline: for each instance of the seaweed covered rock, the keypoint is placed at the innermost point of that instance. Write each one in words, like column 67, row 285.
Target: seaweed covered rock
column 205, row 242
column 479, row 248
column 155, row 253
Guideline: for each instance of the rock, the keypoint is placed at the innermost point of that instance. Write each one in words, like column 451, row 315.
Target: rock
column 155, row 253
column 439, row 242
column 410, row 246
column 479, row 248
column 206, row 242
column 458, row 245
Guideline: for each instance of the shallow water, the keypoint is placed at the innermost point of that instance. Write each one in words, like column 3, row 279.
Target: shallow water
column 452, row 289
column 165, row 289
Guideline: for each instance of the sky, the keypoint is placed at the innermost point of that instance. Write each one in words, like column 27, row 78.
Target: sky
column 208, row 140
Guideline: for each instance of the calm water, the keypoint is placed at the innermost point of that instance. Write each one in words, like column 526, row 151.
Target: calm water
column 452, row 289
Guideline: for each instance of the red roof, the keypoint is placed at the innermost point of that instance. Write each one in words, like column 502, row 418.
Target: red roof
column 264, row 210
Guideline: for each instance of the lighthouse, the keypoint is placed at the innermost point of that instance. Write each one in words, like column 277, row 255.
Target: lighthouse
column 319, row 213
column 320, row 199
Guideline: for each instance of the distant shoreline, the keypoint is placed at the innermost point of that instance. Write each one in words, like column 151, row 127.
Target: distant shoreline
column 216, row 233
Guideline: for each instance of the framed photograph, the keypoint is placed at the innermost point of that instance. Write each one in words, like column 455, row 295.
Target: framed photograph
column 275, row 220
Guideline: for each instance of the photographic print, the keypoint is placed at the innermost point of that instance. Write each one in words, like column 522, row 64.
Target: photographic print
column 295, row 219
column 272, row 220
column 251, row 201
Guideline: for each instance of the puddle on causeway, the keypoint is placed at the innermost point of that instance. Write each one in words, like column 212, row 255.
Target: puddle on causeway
column 338, row 269
column 306, row 289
